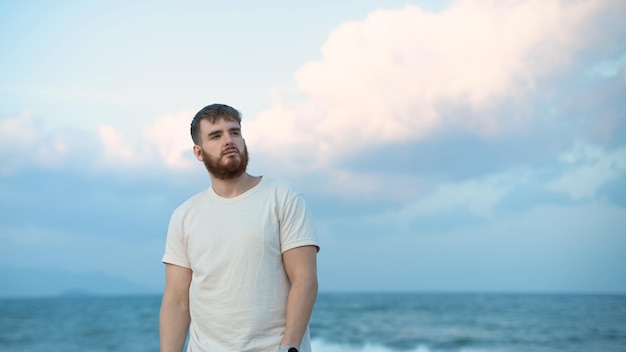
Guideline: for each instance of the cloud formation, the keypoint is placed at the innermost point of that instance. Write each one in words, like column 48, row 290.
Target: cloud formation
column 397, row 76
column 391, row 77
column 485, row 139
column 26, row 141
column 590, row 168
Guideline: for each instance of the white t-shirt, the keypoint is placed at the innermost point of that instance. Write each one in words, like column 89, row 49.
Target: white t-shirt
column 234, row 247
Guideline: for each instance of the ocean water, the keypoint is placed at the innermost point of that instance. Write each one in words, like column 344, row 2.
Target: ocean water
column 343, row 322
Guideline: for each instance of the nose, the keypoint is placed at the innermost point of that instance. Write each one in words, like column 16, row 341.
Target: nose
column 228, row 139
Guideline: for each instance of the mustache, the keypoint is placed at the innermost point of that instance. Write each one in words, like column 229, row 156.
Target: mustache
column 230, row 149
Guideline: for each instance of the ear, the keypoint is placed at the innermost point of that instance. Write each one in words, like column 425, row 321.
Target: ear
column 197, row 151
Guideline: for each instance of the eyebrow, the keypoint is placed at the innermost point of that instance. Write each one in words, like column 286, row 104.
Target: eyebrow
column 232, row 129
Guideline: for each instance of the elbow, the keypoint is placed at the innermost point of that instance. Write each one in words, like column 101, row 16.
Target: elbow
column 175, row 303
column 312, row 287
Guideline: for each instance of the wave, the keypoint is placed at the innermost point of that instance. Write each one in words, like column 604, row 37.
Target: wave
column 318, row 345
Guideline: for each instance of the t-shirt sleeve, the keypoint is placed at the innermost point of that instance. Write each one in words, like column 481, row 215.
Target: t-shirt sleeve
column 296, row 225
column 176, row 243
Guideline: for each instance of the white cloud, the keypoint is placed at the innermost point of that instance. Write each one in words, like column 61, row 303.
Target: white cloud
column 170, row 136
column 476, row 196
column 23, row 142
column 590, row 167
column 379, row 81
column 17, row 131
column 166, row 142
column 384, row 79
column 609, row 68
column 115, row 148
column 587, row 168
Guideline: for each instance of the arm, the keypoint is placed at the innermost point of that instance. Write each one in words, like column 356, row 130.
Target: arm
column 174, row 318
column 301, row 268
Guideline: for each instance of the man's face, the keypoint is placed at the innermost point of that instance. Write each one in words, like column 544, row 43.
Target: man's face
column 223, row 150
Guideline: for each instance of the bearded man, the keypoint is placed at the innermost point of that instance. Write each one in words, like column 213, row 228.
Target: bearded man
column 240, row 256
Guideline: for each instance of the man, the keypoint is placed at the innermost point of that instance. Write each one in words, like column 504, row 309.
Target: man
column 240, row 256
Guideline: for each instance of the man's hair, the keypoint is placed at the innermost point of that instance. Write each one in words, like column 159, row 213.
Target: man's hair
column 212, row 113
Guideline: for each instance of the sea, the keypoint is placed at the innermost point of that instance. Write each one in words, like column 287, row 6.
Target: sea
column 346, row 322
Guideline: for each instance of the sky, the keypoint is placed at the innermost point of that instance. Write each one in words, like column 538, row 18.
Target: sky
column 447, row 146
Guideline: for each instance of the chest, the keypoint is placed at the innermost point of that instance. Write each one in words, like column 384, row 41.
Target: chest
column 219, row 234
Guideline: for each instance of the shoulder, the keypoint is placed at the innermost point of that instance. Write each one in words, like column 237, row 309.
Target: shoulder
column 281, row 188
column 191, row 203
column 280, row 185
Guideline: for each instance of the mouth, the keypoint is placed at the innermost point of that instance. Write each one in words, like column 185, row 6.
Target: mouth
column 231, row 151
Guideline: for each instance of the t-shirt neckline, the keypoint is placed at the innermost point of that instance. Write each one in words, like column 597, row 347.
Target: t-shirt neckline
column 238, row 198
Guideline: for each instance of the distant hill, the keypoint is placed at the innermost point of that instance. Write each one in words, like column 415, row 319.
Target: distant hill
column 18, row 282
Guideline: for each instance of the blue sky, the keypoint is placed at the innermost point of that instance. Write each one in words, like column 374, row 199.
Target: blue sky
column 443, row 146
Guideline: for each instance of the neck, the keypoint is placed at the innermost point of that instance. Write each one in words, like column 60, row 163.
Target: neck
column 233, row 187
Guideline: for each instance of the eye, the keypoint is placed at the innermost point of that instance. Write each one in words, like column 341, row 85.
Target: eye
column 214, row 136
column 235, row 133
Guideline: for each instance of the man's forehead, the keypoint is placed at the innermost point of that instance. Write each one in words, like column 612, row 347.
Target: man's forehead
column 219, row 124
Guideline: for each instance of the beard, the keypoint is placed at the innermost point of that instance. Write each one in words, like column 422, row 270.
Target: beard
column 226, row 168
